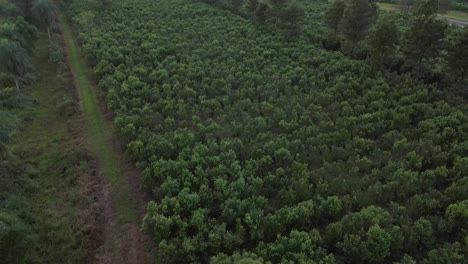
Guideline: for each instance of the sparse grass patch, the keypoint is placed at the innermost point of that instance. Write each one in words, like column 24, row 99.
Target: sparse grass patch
column 100, row 132
column 387, row 7
column 456, row 15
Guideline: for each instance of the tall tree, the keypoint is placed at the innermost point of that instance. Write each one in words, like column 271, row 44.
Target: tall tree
column 374, row 6
column 422, row 41
column 444, row 5
column 383, row 39
column 236, row 5
column 357, row 18
column 24, row 6
column 44, row 12
column 334, row 14
column 291, row 19
column 274, row 10
column 426, row 7
column 15, row 60
column 6, row 129
column 261, row 12
column 252, row 6
column 458, row 53
column 405, row 5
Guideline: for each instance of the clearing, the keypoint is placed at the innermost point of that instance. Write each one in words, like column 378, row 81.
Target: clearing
column 124, row 241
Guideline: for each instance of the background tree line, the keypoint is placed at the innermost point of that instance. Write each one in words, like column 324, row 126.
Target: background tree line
column 429, row 48
column 284, row 16
column 416, row 42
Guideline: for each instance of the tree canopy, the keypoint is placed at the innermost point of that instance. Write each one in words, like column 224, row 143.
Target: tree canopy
column 262, row 147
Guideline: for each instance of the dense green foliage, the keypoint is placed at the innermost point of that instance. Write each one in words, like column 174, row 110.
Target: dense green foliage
column 383, row 40
column 416, row 42
column 285, row 16
column 37, row 170
column 259, row 148
column 16, row 39
column 461, row 5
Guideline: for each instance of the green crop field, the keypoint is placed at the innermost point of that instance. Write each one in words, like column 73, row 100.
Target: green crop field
column 269, row 131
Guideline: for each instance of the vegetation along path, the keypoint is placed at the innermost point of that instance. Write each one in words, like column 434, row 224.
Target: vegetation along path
column 47, row 142
column 123, row 239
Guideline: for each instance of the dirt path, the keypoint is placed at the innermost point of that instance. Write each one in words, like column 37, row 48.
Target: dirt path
column 124, row 203
column 458, row 21
column 453, row 17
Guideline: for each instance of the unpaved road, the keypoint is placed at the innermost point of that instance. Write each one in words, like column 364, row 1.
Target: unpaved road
column 121, row 240
column 458, row 22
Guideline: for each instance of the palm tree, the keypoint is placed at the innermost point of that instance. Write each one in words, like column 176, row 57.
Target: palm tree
column 44, row 12
column 14, row 60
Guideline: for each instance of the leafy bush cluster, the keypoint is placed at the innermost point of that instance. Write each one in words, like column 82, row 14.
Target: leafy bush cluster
column 259, row 149
column 461, row 5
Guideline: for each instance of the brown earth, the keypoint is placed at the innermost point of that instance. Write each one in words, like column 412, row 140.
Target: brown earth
column 104, row 239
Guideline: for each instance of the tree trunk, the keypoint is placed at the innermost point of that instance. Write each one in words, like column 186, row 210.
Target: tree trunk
column 17, row 86
column 48, row 33
column 17, row 99
column 420, row 59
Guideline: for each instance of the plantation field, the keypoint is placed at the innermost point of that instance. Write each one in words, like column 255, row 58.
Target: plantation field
column 233, row 131
column 273, row 149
